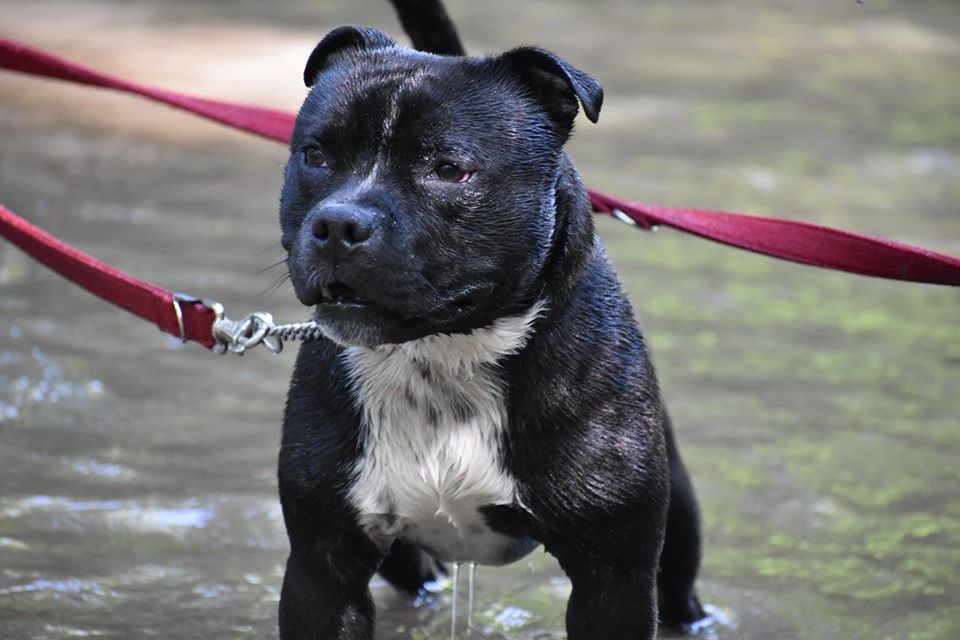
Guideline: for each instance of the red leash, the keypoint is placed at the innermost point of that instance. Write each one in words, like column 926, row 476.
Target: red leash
column 796, row 241
column 269, row 123
column 188, row 319
column 789, row 240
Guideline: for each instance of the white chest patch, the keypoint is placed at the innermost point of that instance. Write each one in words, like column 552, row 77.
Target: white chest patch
column 433, row 414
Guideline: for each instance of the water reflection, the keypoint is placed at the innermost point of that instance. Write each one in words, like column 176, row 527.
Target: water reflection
column 28, row 380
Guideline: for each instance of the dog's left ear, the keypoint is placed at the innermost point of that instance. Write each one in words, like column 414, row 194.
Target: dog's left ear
column 348, row 37
column 557, row 84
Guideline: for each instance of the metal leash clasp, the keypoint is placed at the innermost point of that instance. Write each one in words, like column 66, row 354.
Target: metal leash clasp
column 624, row 218
column 236, row 336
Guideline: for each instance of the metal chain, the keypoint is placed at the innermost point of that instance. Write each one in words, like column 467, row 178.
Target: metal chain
column 296, row 331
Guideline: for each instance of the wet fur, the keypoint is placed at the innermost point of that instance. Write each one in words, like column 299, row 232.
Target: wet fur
column 539, row 396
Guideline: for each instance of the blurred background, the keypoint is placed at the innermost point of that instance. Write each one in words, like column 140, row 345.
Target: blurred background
column 817, row 411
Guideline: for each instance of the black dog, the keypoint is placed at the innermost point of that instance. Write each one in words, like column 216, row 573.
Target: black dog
column 484, row 387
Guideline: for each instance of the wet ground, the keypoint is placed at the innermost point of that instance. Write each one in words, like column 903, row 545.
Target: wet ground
column 818, row 412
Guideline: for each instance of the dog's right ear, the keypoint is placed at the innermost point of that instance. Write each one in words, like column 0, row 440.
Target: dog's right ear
column 341, row 38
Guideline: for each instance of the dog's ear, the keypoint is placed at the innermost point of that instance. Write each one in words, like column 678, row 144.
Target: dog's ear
column 556, row 83
column 341, row 38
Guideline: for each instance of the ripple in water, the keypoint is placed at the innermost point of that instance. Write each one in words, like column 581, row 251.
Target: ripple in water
column 37, row 379
column 132, row 515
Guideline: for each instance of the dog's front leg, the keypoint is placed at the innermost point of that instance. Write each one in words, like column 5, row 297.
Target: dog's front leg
column 610, row 552
column 613, row 603
column 325, row 590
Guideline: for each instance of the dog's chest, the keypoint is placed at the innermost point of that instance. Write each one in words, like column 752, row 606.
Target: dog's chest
column 433, row 417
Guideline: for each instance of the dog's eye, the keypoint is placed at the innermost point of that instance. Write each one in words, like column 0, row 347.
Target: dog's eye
column 313, row 157
column 449, row 172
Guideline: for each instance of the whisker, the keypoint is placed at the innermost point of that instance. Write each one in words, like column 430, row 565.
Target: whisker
column 273, row 247
column 273, row 266
column 276, row 284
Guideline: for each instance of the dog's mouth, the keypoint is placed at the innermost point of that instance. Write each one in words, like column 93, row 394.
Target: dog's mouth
column 339, row 294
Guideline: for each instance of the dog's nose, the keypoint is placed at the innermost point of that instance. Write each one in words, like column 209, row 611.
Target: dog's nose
column 343, row 225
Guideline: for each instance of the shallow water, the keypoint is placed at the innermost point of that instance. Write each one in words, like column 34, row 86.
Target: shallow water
column 817, row 411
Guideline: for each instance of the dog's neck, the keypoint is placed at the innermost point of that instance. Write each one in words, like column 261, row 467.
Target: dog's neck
column 457, row 354
column 572, row 238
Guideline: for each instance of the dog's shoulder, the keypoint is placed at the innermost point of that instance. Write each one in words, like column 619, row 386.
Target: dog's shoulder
column 585, row 403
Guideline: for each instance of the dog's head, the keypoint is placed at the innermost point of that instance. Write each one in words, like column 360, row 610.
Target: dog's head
column 422, row 193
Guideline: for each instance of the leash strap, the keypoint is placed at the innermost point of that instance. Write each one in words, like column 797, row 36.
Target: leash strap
column 180, row 315
column 269, row 123
column 794, row 240
column 190, row 318
column 183, row 316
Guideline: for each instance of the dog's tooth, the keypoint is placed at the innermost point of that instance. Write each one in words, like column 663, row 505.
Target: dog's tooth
column 326, row 294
